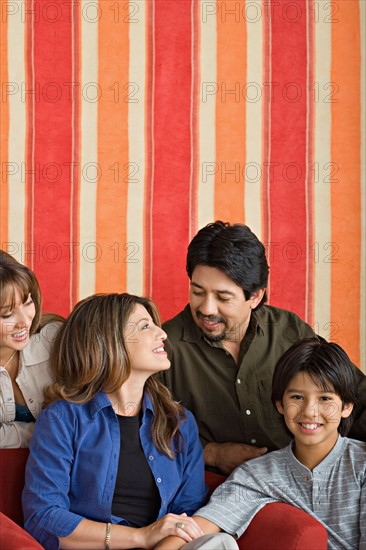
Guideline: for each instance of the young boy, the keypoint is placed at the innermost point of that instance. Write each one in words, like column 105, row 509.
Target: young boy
column 323, row 473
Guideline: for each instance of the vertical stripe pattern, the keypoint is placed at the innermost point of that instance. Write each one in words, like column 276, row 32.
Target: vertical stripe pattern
column 126, row 126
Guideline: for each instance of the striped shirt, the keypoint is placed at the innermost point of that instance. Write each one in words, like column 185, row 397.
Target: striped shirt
column 334, row 493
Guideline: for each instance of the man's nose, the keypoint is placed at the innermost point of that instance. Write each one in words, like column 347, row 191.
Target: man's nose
column 208, row 306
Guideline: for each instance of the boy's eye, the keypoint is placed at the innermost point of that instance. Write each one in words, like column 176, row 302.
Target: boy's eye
column 325, row 398
column 195, row 293
column 224, row 299
column 296, row 396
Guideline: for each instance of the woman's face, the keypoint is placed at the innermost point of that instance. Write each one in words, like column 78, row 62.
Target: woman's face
column 145, row 343
column 15, row 323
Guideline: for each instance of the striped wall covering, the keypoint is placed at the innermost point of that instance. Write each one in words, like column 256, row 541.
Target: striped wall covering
column 128, row 125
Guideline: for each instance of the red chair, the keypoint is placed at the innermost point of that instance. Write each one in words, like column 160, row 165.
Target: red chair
column 278, row 526
column 12, row 472
column 14, row 537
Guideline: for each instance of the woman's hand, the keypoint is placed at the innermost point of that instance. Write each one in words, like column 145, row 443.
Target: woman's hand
column 170, row 525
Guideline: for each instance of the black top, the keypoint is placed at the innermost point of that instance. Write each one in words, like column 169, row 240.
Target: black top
column 136, row 497
column 23, row 414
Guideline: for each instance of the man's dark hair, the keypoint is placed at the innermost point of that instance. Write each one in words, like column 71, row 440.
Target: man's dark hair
column 327, row 364
column 234, row 250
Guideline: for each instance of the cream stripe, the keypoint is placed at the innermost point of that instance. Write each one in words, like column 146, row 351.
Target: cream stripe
column 363, row 188
column 207, row 115
column 88, row 154
column 17, row 135
column 253, row 169
column 321, row 173
column 135, row 247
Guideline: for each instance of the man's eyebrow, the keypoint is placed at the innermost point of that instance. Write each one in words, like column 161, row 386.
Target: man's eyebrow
column 196, row 284
column 218, row 291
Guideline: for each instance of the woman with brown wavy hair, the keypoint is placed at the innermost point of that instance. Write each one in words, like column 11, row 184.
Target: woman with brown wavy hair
column 114, row 461
column 26, row 338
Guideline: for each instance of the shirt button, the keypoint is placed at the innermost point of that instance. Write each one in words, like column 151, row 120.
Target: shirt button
column 307, row 478
column 238, row 381
column 31, row 401
column 248, row 412
column 151, row 457
column 158, row 479
column 253, row 441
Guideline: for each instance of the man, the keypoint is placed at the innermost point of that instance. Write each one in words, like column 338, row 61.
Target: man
column 225, row 344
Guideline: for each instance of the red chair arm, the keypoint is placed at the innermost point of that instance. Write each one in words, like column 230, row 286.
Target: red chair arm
column 14, row 537
column 278, row 526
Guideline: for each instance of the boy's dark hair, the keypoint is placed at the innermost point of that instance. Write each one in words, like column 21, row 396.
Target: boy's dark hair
column 327, row 364
column 234, row 250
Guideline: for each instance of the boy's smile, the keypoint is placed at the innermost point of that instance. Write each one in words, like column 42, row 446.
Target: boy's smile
column 312, row 415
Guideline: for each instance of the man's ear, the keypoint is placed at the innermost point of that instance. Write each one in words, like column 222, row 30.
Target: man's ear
column 256, row 298
column 347, row 410
column 279, row 407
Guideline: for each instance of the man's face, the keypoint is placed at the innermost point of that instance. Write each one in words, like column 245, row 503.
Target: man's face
column 218, row 305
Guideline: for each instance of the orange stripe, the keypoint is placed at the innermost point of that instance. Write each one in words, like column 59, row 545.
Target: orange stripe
column 113, row 155
column 4, row 132
column 230, row 111
column 345, row 193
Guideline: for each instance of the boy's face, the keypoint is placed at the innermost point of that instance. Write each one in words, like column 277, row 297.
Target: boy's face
column 312, row 414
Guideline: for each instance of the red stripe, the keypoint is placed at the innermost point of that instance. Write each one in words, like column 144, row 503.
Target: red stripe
column 149, row 172
column 50, row 230
column 74, row 257
column 288, row 223
column 309, row 313
column 172, row 154
column 30, row 107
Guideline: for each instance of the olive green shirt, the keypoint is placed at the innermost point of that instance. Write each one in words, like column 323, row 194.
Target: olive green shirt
column 232, row 402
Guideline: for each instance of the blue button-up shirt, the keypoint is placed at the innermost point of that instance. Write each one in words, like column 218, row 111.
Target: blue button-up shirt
column 72, row 468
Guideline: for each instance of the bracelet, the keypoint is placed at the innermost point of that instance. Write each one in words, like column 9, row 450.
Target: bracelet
column 107, row 536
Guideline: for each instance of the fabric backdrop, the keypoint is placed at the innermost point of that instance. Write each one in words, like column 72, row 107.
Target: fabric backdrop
column 128, row 125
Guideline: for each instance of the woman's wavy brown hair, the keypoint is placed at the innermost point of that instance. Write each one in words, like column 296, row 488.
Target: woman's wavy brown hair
column 17, row 277
column 90, row 355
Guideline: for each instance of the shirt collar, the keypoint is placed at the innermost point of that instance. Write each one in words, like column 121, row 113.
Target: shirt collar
column 326, row 463
column 191, row 332
column 101, row 401
column 35, row 352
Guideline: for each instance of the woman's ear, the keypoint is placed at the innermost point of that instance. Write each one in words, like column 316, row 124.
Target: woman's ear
column 280, row 408
column 347, row 410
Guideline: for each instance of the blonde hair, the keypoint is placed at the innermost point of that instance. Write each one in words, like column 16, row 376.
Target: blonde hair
column 90, row 355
